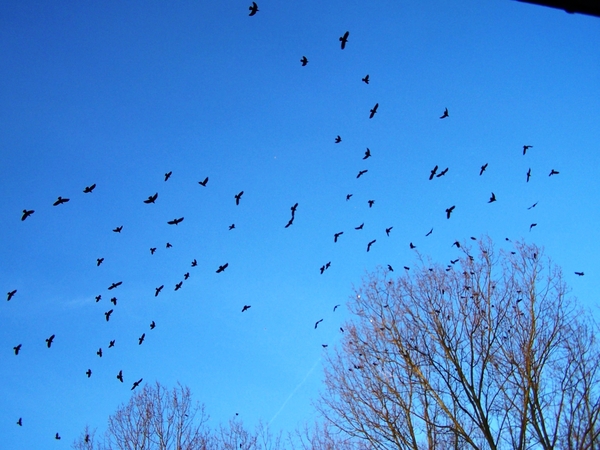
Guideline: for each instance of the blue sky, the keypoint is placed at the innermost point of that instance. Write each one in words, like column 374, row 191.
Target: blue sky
column 119, row 93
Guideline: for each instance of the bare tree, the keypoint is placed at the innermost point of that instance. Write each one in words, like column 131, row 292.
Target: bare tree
column 154, row 418
column 488, row 353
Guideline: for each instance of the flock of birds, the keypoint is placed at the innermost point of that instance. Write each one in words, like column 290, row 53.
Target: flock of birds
column 152, row 199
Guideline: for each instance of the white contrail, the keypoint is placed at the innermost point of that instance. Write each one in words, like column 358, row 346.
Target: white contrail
column 294, row 391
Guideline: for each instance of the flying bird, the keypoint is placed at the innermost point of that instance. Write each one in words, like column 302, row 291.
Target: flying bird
column 114, row 301
column 532, row 225
column 253, row 9
column 120, row 376
column 222, row 268
column 10, row 295
column 175, row 221
column 553, row 172
column 26, row 213
column 387, row 230
column 348, row 197
column 338, row 139
column 238, row 197
column 141, row 338
column 337, row 235
column 17, row 349
column 136, row 384
column 99, row 261
column 528, row 174
column 317, row 323
column 232, row 226
column 178, row 285
column 371, row 202
column 526, row 147
column 89, row 189
column 373, row 111
column 152, row 250
column 367, row 154
column 99, row 352
column 98, row 298
column 57, row 437
column 88, row 373
column 412, row 246
column 118, row 229
column 152, row 325
column 533, row 206
column 115, row 285
column 433, row 171
column 60, row 201
column 151, row 199
column 203, row 183
column 246, row 307
column 492, row 198
column 443, row 116
column 335, row 307
column 194, row 263
column 366, row 79
column 49, row 341
column 361, row 173
column 111, row 344
column 430, row 231
column 168, row 175
column 442, row 173
column 483, row 169
column 371, row 243
column 186, row 275
column 360, row 227
column 20, row 422
column 107, row 314
column 449, row 211
column 344, row 39
column 579, row 274
column 169, row 245
column 304, row 61
column 390, row 268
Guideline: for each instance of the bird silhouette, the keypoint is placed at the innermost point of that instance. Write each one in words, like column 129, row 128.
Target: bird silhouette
column 186, row 275
column 115, row 285
column 10, row 295
column 222, row 268
column 203, row 183
column 553, row 172
column 528, row 174
column 89, row 189
column 412, row 246
column 152, row 250
column 118, row 229
column 443, row 116
column 371, row 203
column 304, row 61
column 60, row 201
column 366, row 79
column 99, row 352
column 194, row 263
column 26, row 213
column 456, row 243
column 492, row 198
column 232, row 226
column 88, row 373
column 373, row 111
column 152, row 325
column 238, row 197
column 360, row 227
column 175, row 221
column 169, row 245
column 338, row 139
column 322, row 269
column 429, row 233
column 114, row 301
column 20, row 422
column 337, row 235
column 136, row 383
column 390, row 268
column 120, row 376
column 324, row 345
column 526, row 147
column 17, row 349
column 107, row 314
column 361, row 173
column 449, row 211
column 111, row 344
column 348, row 197
column 533, row 206
column 57, row 437
column 367, row 154
column 387, row 230
column 151, row 199
column 371, row 243
column 580, row 274
column 328, row 265
column 49, row 341
column 168, row 175
column 99, row 261
column 246, row 307
column 98, row 298
column 442, row 173
column 178, row 285
column 317, row 323
column 141, row 338
column 483, row 169
column 290, row 222
column 344, row 39
column 433, row 171
column 532, row 225
column 253, row 9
